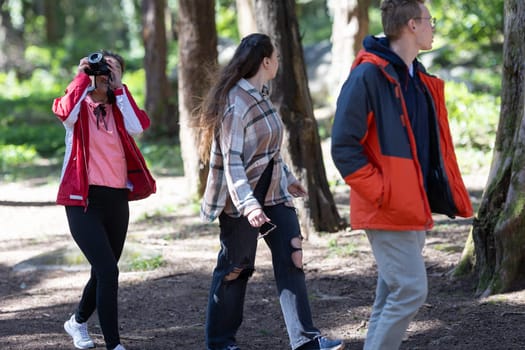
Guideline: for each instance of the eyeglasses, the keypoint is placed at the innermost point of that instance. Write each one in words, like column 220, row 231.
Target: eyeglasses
column 265, row 229
column 432, row 20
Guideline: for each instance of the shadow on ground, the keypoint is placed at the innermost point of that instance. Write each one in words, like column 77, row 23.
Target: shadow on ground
column 164, row 307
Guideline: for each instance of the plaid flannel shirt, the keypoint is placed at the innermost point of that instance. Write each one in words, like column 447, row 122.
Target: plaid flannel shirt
column 250, row 135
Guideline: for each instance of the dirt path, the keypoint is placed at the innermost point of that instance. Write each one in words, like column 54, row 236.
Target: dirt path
column 165, row 308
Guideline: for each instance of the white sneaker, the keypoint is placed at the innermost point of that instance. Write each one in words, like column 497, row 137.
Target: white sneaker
column 119, row 347
column 79, row 333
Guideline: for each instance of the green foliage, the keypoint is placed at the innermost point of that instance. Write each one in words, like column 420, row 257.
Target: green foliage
column 473, row 121
column 173, row 59
column 335, row 249
column 315, row 24
column 468, row 42
column 103, row 27
column 471, row 34
column 477, row 113
column 156, row 214
column 226, row 20
column 448, row 248
column 27, row 121
column 374, row 16
column 41, row 83
column 46, row 140
column 469, row 24
column 163, row 157
column 12, row 156
column 135, row 81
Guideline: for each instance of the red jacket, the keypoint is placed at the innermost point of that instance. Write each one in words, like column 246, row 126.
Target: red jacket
column 130, row 121
column 374, row 149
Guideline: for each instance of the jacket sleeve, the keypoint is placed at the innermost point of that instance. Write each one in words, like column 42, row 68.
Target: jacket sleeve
column 136, row 120
column 350, row 132
column 232, row 145
column 67, row 107
column 458, row 190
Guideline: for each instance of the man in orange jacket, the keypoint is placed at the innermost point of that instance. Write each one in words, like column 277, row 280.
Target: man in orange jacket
column 392, row 145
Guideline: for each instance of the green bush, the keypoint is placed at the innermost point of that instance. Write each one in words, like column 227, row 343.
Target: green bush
column 473, row 121
column 163, row 157
column 15, row 155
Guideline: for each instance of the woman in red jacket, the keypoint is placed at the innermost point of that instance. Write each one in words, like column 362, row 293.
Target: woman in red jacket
column 103, row 169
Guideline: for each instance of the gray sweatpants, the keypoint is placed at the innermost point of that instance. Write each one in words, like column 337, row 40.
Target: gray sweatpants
column 401, row 286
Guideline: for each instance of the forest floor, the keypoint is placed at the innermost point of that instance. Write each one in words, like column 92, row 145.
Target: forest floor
column 164, row 308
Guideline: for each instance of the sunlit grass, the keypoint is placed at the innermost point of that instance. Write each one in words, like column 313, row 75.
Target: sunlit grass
column 140, row 263
column 345, row 250
column 448, row 248
column 158, row 213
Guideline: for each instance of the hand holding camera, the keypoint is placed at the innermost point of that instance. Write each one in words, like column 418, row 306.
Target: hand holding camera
column 98, row 65
column 83, row 65
column 115, row 80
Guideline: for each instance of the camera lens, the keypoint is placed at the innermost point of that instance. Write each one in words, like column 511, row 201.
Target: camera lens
column 95, row 57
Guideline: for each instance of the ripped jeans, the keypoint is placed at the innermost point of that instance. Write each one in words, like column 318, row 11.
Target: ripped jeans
column 236, row 263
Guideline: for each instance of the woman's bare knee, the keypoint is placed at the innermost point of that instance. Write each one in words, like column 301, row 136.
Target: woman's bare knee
column 297, row 253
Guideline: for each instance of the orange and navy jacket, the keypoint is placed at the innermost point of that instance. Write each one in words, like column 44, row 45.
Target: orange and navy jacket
column 71, row 109
column 374, row 149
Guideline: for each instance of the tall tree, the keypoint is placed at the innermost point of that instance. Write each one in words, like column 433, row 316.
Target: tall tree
column 54, row 21
column 349, row 28
column 292, row 98
column 158, row 90
column 246, row 17
column 197, row 60
column 496, row 246
column 12, row 44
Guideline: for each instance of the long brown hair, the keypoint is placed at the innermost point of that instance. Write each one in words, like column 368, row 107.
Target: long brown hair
column 244, row 64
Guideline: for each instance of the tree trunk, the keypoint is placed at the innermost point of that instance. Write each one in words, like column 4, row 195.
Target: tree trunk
column 198, row 59
column 292, row 99
column 246, row 17
column 349, row 28
column 53, row 21
column 158, row 91
column 12, row 45
column 498, row 231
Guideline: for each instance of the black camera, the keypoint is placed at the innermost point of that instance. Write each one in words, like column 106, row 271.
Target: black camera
column 97, row 65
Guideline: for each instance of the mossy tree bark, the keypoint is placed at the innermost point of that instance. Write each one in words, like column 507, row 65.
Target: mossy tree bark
column 292, row 98
column 498, row 232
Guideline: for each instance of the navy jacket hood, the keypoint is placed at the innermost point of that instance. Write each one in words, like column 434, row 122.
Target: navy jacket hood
column 380, row 46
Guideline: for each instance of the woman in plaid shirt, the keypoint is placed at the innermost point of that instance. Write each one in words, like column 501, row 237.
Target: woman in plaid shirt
column 250, row 190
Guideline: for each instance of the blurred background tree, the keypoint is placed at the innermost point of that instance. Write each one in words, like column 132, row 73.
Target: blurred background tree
column 41, row 42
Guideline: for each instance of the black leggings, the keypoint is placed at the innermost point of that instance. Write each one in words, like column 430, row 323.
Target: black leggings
column 100, row 232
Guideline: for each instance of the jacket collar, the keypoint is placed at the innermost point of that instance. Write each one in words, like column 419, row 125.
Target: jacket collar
column 249, row 88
